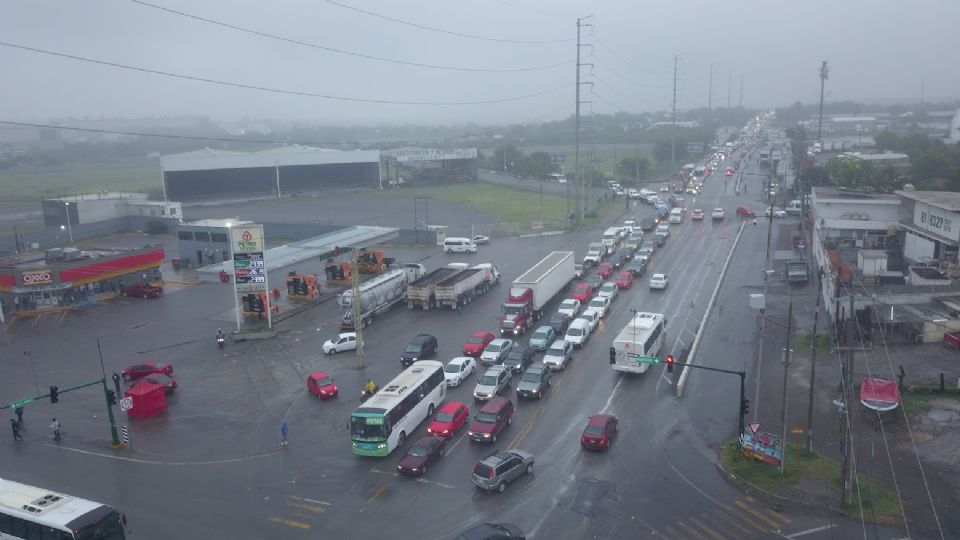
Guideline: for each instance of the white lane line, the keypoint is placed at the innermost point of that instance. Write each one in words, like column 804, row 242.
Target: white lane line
column 810, row 531
column 456, row 444
column 694, row 486
column 420, row 480
column 174, row 463
column 610, row 399
column 314, row 501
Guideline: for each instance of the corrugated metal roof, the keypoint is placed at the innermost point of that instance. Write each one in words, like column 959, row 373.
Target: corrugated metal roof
column 206, row 160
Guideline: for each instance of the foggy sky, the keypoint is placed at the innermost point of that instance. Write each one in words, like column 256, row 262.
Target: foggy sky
column 878, row 52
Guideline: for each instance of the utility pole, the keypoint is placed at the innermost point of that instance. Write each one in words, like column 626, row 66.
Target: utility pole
column 578, row 178
column 729, row 86
column 824, row 73
column 786, row 371
column 673, row 112
column 357, row 309
column 813, row 365
column 763, row 318
column 847, row 374
column 710, row 92
column 741, row 90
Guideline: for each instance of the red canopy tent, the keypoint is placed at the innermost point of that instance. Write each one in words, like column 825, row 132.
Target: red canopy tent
column 148, row 399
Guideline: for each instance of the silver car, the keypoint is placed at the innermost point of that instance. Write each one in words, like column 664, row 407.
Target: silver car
column 558, row 354
column 500, row 468
column 491, row 383
column 496, row 351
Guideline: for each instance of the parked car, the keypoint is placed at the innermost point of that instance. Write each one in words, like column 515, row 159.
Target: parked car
column 459, row 369
column 346, row 341
column 638, row 266
column 534, row 381
column 745, row 212
column 718, row 214
column 624, row 279
column 697, row 214
column 500, row 468
column 777, row 212
column 569, row 307
column 491, row 383
column 450, row 418
column 600, row 431
column 491, row 420
column 557, row 355
column 142, row 289
column 496, row 351
column 599, row 305
column 542, row 337
column 420, row 347
column 168, row 383
column 477, row 342
column 659, row 281
column 559, row 323
column 421, row 454
column 141, row 370
column 519, row 358
column 481, row 239
column 605, row 269
column 608, row 290
column 321, row 385
column 492, row 531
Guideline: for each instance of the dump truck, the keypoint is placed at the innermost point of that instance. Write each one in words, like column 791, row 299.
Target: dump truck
column 532, row 291
column 423, row 292
column 460, row 289
column 378, row 295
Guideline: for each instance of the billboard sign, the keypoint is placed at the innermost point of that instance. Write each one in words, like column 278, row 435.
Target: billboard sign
column 37, row 277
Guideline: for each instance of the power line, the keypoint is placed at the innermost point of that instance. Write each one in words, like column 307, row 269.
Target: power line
column 615, row 72
column 620, row 58
column 342, row 51
column 608, row 102
column 277, row 90
column 609, row 87
column 448, row 32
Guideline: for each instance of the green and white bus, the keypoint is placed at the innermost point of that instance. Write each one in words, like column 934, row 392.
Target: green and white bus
column 29, row 513
column 382, row 423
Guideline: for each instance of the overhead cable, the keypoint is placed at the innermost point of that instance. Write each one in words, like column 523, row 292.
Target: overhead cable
column 342, row 51
column 448, row 32
column 620, row 58
column 279, row 90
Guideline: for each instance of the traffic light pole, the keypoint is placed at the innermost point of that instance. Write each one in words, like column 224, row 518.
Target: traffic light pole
column 115, row 438
column 744, row 404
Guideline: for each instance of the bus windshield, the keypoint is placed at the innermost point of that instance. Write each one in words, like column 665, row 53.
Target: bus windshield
column 362, row 429
column 108, row 528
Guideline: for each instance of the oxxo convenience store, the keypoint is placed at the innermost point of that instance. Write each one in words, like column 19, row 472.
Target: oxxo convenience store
column 69, row 277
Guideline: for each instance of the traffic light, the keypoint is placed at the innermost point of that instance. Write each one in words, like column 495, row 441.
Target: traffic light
column 111, row 397
column 613, row 355
column 744, row 406
column 336, row 251
column 669, row 363
column 54, row 394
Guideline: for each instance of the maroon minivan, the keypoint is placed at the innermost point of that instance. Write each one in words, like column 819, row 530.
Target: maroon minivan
column 495, row 415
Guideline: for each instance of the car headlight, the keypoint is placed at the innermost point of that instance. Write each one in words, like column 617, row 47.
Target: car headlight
column 446, row 431
column 399, row 468
column 486, row 435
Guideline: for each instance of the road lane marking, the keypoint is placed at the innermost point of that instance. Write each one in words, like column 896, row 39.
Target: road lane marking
column 744, row 518
column 811, row 531
column 729, row 520
column 694, row 486
column 776, row 515
column 379, row 491
column 759, row 515
column 610, row 399
column 456, row 444
column 174, row 463
column 525, row 430
column 63, row 315
column 423, row 480
column 420, row 480
column 309, row 507
column 706, row 529
column 673, row 532
column 291, row 523
column 691, row 530
column 36, row 319
column 314, row 501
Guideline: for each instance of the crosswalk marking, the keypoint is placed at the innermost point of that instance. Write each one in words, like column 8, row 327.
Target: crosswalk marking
column 309, row 507
column 758, row 515
column 778, row 515
column 723, row 516
column 291, row 522
column 705, row 528
column 745, row 518
column 690, row 530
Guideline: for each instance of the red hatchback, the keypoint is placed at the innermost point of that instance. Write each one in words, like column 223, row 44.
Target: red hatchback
column 141, row 370
column 600, row 431
column 477, row 342
column 582, row 292
column 321, row 385
column 451, row 417
column 422, row 453
column 624, row 280
column 745, row 212
column 605, row 270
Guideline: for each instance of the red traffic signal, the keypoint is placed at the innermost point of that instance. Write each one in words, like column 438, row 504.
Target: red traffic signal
column 669, row 363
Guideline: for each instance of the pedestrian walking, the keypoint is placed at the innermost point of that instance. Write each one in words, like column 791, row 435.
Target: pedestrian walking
column 55, row 428
column 754, row 221
column 19, row 412
column 16, row 430
column 283, row 433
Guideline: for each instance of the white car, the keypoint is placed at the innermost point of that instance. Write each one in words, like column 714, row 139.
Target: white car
column 346, row 341
column 663, row 229
column 481, row 239
column 659, row 281
column 459, row 369
column 609, row 290
column 570, row 307
column 718, row 214
column 591, row 318
column 599, row 305
column 557, row 354
column 496, row 351
column 777, row 212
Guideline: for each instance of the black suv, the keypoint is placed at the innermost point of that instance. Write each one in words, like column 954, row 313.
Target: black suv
column 638, row 266
column 648, row 224
column 534, row 381
column 519, row 358
column 420, row 347
column 559, row 323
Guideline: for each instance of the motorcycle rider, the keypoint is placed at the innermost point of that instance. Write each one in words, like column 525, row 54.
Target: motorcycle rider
column 370, row 388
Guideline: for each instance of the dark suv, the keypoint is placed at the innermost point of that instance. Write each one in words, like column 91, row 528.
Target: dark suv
column 534, row 381
column 519, row 358
column 500, row 468
column 420, row 347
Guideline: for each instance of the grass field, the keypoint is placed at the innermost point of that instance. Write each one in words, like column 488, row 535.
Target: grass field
column 37, row 183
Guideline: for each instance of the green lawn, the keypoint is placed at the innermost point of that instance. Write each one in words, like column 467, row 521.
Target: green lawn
column 916, row 399
column 42, row 182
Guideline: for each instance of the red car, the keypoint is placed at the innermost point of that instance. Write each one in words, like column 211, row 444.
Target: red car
column 745, row 212
column 421, row 453
column 143, row 290
column 168, row 383
column 451, row 417
column 141, row 370
column 728, row 172
column 582, row 292
column 624, row 280
column 600, row 431
column 605, row 270
column 321, row 385
column 477, row 342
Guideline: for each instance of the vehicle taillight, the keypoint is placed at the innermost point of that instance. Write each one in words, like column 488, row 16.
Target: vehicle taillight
column 490, row 476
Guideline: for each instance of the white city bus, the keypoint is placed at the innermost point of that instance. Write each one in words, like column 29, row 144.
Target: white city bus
column 382, row 423
column 28, row 513
column 642, row 336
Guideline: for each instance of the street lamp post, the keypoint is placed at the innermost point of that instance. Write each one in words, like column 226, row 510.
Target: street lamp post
column 66, row 206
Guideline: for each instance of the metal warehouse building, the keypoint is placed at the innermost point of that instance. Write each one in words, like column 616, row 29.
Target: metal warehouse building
column 207, row 174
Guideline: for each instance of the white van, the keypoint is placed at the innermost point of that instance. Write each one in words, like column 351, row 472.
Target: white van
column 459, row 245
column 610, row 239
column 676, row 215
column 578, row 332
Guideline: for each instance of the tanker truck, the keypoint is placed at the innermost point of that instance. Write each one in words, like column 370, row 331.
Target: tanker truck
column 378, row 295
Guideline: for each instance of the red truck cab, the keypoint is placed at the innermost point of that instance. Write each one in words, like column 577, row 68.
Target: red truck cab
column 517, row 311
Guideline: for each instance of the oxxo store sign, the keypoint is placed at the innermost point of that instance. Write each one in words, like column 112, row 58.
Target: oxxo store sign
column 34, row 278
